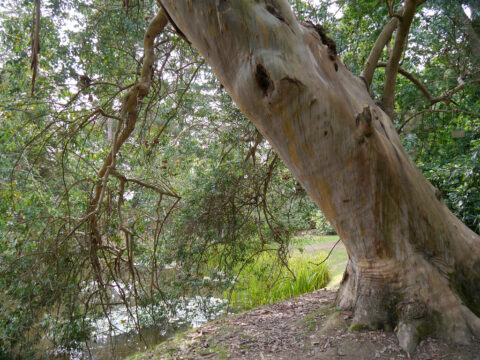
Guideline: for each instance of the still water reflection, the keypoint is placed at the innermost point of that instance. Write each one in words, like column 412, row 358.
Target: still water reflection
column 107, row 344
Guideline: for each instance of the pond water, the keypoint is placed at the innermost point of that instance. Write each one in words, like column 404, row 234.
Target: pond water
column 125, row 344
column 126, row 340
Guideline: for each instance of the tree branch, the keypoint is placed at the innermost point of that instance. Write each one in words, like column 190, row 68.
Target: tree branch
column 128, row 119
column 35, row 43
column 433, row 100
column 143, row 183
column 382, row 40
column 377, row 49
column 446, row 97
column 393, row 64
column 412, row 78
column 400, row 129
column 329, row 253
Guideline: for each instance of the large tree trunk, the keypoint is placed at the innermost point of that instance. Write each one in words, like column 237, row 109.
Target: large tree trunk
column 413, row 265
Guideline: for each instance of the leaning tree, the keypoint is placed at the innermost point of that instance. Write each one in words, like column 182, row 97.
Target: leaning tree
column 413, row 266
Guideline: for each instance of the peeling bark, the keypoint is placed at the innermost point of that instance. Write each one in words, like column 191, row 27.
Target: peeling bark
column 413, row 266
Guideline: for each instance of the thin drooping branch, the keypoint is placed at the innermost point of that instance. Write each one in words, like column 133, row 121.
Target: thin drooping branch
column 128, row 116
column 142, row 183
column 328, row 255
column 447, row 96
column 393, row 64
column 376, row 52
column 412, row 78
column 35, row 43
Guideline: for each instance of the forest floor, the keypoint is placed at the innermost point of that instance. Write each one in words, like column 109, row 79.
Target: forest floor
column 306, row 327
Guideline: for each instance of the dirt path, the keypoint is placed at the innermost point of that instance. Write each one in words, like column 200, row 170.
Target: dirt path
column 307, row 327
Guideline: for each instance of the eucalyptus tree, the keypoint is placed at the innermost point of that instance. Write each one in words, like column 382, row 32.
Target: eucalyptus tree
column 127, row 159
column 413, row 265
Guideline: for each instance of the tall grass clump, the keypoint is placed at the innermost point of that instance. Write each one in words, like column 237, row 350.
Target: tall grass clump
column 267, row 280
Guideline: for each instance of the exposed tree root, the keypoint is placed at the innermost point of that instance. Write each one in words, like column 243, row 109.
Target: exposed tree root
column 383, row 298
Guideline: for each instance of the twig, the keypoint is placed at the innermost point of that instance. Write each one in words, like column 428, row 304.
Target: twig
column 330, row 252
column 399, row 130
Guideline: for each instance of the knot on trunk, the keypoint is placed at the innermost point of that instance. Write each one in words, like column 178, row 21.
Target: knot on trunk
column 263, row 80
column 364, row 123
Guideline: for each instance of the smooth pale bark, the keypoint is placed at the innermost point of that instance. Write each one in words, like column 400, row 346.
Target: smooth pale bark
column 376, row 52
column 412, row 263
column 388, row 98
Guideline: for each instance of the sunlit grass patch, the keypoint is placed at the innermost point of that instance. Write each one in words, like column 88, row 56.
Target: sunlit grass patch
column 266, row 281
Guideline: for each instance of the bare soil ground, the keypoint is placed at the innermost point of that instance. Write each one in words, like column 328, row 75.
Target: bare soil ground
column 307, row 327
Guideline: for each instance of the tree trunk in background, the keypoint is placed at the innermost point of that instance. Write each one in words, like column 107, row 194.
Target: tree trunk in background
column 413, row 265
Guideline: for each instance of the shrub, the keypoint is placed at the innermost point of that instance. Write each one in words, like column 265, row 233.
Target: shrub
column 266, row 281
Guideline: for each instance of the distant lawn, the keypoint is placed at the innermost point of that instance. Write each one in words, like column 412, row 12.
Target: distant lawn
column 260, row 284
column 309, row 239
column 337, row 259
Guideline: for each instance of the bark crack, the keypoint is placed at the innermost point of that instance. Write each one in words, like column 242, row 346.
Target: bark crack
column 331, row 45
column 274, row 11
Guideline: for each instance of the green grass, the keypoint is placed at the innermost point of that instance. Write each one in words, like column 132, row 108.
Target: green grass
column 265, row 282
column 336, row 263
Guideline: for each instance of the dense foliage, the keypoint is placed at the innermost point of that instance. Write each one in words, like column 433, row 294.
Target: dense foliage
column 196, row 190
